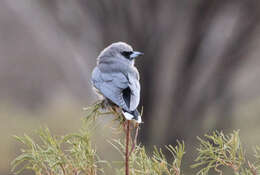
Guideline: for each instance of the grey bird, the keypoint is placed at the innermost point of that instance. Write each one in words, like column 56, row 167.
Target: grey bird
column 116, row 78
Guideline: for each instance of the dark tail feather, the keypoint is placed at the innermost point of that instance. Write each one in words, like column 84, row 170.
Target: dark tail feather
column 133, row 115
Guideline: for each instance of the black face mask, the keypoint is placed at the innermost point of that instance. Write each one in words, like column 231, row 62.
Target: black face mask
column 127, row 54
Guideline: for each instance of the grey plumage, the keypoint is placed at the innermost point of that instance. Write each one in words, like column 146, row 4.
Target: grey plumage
column 117, row 79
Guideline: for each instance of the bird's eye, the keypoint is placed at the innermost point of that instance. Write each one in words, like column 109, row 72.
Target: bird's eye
column 127, row 54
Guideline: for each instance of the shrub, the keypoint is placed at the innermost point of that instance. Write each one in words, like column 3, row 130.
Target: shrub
column 73, row 154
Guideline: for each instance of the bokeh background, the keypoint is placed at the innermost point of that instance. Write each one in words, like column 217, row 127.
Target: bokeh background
column 200, row 71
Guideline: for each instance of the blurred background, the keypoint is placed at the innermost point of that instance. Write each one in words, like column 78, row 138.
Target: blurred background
column 200, row 71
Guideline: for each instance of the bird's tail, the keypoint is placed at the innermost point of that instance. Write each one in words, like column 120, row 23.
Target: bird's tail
column 133, row 115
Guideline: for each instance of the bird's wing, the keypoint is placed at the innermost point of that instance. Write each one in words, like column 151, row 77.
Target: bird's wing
column 112, row 86
column 121, row 89
column 134, row 86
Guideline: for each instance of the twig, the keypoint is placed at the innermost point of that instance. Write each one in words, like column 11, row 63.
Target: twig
column 105, row 113
column 176, row 170
column 252, row 168
column 218, row 170
column 125, row 126
column 126, row 148
column 135, row 139
column 75, row 171
column 63, row 169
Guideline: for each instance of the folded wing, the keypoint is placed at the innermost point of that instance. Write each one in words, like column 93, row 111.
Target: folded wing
column 121, row 89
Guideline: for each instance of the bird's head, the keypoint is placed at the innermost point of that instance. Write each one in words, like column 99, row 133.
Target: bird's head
column 121, row 51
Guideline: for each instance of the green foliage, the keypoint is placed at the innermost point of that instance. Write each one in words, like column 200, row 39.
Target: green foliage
column 70, row 154
column 97, row 110
column 73, row 154
column 156, row 164
column 218, row 150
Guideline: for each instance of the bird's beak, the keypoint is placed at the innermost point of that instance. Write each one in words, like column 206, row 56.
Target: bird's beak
column 135, row 54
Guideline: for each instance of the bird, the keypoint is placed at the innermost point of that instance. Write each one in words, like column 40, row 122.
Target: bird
column 116, row 79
